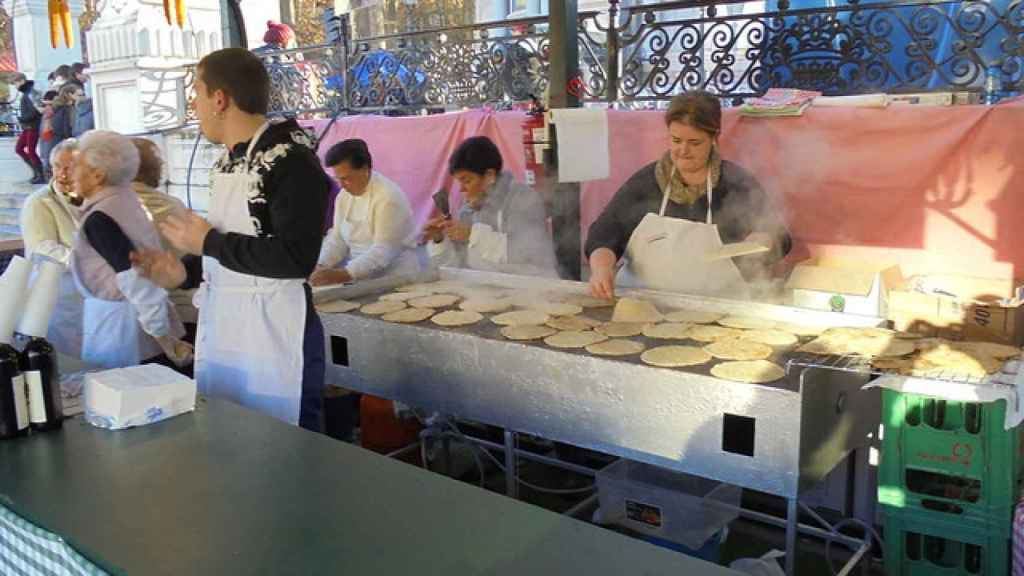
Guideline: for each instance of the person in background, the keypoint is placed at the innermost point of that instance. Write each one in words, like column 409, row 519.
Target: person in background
column 127, row 319
column 30, row 116
column 62, row 116
column 502, row 225
column 49, row 221
column 278, row 36
column 373, row 233
column 83, row 119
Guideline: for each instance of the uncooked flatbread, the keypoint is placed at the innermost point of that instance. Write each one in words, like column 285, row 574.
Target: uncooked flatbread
column 434, row 301
column 620, row 329
column 774, row 338
column 574, row 339
column 477, row 304
column 753, row 372
column 694, row 316
column 403, row 296
column 713, row 333
column 457, row 318
column 378, row 308
column 668, row 331
column 521, row 318
column 569, row 323
column 747, row 323
column 409, row 315
column 634, row 310
column 618, row 347
column 527, row 332
column 337, row 306
column 737, row 349
column 675, row 356
column 556, row 308
column 589, row 301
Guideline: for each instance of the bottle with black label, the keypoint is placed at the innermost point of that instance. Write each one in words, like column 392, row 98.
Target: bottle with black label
column 39, row 359
column 14, row 416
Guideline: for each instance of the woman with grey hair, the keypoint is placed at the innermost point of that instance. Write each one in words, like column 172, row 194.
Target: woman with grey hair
column 127, row 319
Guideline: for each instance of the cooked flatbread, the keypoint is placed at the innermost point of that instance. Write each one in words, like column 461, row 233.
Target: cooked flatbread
column 675, row 356
column 556, row 308
column 634, row 310
column 694, row 317
column 868, row 332
column 574, row 339
column 403, row 296
column 898, row 365
column 457, row 318
column 527, row 332
column 434, row 301
column 800, row 329
column 490, row 305
column 618, row 347
column 713, row 333
column 569, row 323
column 378, row 308
column 409, row 315
column 588, row 301
column 867, row 342
column 521, row 318
column 668, row 331
column 993, row 349
column 956, row 361
column 337, row 307
column 747, row 323
column 753, row 371
column 620, row 329
column 774, row 338
column 736, row 349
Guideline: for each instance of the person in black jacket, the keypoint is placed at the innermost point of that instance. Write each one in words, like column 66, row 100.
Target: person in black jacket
column 30, row 116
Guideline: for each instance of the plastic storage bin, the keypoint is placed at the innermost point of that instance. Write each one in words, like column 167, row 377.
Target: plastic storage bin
column 665, row 505
column 919, row 545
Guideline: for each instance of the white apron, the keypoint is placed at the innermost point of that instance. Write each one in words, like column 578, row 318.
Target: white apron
column 488, row 247
column 111, row 334
column 356, row 232
column 668, row 254
column 65, row 330
column 249, row 340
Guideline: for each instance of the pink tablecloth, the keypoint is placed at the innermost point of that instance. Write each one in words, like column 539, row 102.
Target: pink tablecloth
column 930, row 188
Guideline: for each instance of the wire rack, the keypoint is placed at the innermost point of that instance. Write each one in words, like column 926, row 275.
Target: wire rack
column 862, row 365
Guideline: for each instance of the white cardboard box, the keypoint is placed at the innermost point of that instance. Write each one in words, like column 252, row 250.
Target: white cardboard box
column 848, row 286
column 137, row 395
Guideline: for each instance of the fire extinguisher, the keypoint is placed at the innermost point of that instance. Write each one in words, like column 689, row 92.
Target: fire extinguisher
column 535, row 142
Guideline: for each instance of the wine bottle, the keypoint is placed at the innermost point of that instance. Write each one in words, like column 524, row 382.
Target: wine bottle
column 14, row 417
column 42, row 380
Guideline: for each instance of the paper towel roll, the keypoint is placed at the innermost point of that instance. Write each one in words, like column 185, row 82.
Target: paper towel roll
column 13, row 285
column 42, row 298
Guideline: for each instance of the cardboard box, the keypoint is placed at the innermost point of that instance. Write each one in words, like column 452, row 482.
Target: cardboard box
column 958, row 307
column 849, row 286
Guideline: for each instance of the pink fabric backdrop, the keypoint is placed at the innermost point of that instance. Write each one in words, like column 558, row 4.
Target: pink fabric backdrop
column 933, row 189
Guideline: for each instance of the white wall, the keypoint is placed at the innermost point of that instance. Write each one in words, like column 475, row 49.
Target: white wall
column 256, row 14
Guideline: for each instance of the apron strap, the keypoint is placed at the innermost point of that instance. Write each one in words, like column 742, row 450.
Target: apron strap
column 710, row 197
column 664, row 197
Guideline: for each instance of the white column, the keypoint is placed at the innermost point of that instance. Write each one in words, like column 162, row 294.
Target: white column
column 36, row 57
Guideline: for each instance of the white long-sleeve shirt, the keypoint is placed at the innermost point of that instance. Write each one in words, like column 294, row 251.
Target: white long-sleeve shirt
column 370, row 231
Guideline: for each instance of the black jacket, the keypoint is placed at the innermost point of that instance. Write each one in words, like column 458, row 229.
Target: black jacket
column 28, row 115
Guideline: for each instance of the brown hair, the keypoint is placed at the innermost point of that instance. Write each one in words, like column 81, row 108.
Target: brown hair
column 150, row 163
column 698, row 109
column 240, row 75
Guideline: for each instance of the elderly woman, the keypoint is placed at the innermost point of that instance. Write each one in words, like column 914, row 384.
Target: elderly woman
column 502, row 225
column 373, row 233
column 671, row 217
column 49, row 221
column 127, row 318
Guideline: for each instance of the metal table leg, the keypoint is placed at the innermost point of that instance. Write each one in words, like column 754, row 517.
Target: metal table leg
column 792, row 516
column 511, row 484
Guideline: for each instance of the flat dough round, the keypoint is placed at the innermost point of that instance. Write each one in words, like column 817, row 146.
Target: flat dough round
column 489, row 305
column 409, row 315
column 521, row 318
column 378, row 308
column 635, row 310
column 527, row 332
column 570, row 323
column 774, row 338
column 620, row 329
column 589, row 301
column 737, row 349
column 574, row 339
column 668, row 331
column 617, row 347
column 675, row 356
column 434, row 301
column 713, row 333
column 337, row 306
column 457, row 318
column 694, row 316
column 747, row 323
column 753, row 372
column 403, row 296
column 556, row 308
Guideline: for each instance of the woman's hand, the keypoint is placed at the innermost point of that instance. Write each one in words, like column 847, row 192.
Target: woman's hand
column 177, row 351
column 602, row 273
column 328, row 276
column 433, row 230
column 457, row 231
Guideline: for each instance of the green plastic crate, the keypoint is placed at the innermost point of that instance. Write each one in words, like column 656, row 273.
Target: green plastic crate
column 916, row 545
column 952, row 459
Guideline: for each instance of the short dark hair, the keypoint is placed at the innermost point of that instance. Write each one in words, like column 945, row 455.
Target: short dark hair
column 63, row 71
column 698, row 109
column 477, row 155
column 354, row 151
column 78, row 68
column 240, row 75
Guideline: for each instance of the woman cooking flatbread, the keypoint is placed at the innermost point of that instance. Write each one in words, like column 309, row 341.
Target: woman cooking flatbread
column 669, row 219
